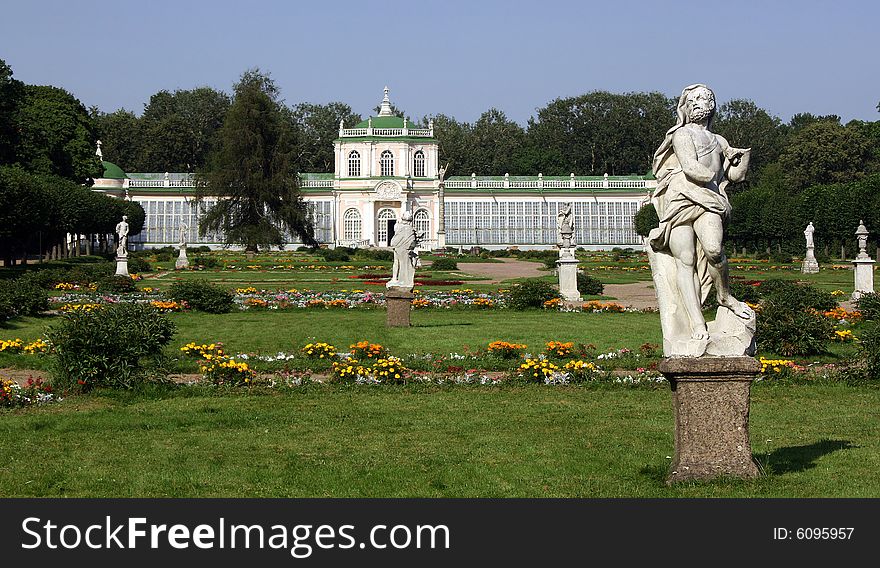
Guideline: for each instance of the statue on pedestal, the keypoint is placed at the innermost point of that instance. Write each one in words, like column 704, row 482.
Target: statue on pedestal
column 565, row 227
column 693, row 167
column 122, row 233
column 404, row 243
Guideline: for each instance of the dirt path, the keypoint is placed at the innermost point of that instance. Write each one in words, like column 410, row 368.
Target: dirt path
column 504, row 270
column 638, row 295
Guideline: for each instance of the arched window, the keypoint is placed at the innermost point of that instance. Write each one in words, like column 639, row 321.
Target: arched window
column 351, row 225
column 354, row 164
column 422, row 223
column 385, row 215
column 386, row 163
column 419, row 164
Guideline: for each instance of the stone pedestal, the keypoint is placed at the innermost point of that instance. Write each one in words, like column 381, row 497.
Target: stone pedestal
column 398, row 302
column 864, row 275
column 566, row 267
column 710, row 398
column 810, row 265
column 122, row 266
column 182, row 262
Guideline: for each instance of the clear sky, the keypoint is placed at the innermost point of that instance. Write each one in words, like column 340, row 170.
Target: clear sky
column 458, row 58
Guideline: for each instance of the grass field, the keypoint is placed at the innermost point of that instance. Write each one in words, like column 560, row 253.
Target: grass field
column 513, row 441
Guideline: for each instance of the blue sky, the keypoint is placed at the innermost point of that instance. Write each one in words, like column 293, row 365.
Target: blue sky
column 455, row 57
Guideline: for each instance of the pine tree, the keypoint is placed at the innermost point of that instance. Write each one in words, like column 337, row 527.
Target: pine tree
column 252, row 172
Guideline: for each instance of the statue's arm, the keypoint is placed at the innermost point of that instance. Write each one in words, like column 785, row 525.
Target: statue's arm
column 686, row 153
column 736, row 160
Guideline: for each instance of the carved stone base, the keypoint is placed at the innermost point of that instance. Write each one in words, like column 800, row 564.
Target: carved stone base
column 398, row 302
column 182, row 261
column 122, row 266
column 710, row 398
column 567, row 269
column 810, row 265
column 864, row 275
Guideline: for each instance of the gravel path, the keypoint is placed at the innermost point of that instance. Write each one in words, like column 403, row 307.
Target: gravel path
column 504, row 270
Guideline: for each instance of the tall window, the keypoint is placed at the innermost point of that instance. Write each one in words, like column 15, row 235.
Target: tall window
column 419, row 164
column 422, row 223
column 351, row 225
column 354, row 164
column 385, row 215
column 386, row 163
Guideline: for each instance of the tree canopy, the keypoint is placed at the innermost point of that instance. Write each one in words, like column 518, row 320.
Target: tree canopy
column 253, row 172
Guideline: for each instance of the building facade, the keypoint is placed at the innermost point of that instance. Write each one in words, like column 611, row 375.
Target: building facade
column 385, row 166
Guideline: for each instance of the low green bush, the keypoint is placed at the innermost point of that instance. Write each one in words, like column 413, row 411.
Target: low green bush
column 338, row 254
column 116, row 284
column 869, row 305
column 22, row 297
column 138, row 264
column 589, row 285
column 787, row 329
column 206, row 262
column 112, row 346
column 203, row 296
column 382, row 255
column 869, row 347
column 796, row 296
column 444, row 263
column 530, row 294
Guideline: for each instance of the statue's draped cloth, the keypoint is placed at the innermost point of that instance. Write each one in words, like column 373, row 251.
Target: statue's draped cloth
column 678, row 202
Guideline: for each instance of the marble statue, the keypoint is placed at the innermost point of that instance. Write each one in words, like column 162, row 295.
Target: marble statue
column 404, row 243
column 122, row 233
column 862, row 240
column 808, row 233
column 693, row 167
column 441, row 173
column 565, row 226
column 182, row 235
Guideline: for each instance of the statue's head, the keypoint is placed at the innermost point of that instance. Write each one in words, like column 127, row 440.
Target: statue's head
column 125, row 217
column 696, row 104
column 406, row 216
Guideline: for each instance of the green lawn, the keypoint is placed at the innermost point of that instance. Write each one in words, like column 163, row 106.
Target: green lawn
column 513, row 441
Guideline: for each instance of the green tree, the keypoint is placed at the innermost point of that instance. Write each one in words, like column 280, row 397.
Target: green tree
column 317, row 127
column 11, row 93
column 600, row 132
column 121, row 138
column 56, row 135
column 453, row 140
column 825, row 152
column 253, row 172
column 745, row 125
column 178, row 130
column 496, row 144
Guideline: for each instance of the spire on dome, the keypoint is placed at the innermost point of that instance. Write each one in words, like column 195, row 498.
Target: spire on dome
column 385, row 108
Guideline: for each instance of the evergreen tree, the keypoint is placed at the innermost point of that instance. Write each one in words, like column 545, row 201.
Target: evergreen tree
column 252, row 172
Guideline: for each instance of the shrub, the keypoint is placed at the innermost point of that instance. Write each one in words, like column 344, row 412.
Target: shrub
column 206, row 261
column 203, row 296
column 530, row 294
column 107, row 346
column 382, row 255
column 589, row 285
column 22, row 297
column 137, row 263
column 780, row 257
column 164, row 256
column 797, row 296
column 338, row 254
column 787, row 329
column 444, row 263
column 116, row 284
column 869, row 346
column 869, row 305
column 645, row 220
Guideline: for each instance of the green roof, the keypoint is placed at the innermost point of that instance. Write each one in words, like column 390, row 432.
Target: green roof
column 112, row 171
column 385, row 122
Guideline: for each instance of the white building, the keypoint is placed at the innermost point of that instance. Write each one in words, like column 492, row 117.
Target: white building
column 385, row 166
